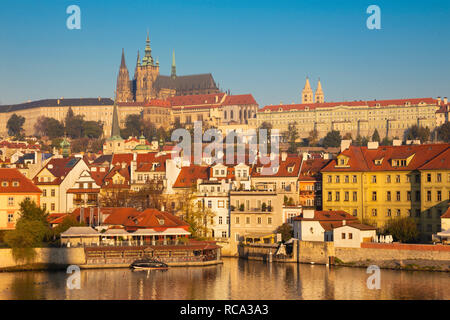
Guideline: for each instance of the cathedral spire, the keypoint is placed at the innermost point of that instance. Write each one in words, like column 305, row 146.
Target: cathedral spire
column 319, row 96
column 147, row 60
column 122, row 62
column 307, row 93
column 138, row 62
column 174, row 67
column 115, row 129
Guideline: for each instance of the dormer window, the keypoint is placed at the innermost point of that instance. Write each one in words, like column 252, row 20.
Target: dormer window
column 15, row 183
column 291, row 169
column 378, row 161
column 161, row 222
column 4, row 183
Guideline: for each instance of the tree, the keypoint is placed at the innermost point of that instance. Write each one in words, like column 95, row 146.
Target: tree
column 386, row 142
column 417, row 133
column 15, row 124
column 376, row 136
column 291, row 136
column 32, row 228
column 68, row 221
column 443, row 132
column 92, row 129
column 402, row 229
column 332, row 139
column 49, row 127
column 133, row 126
column 313, row 138
column 74, row 124
column 196, row 214
column 286, row 230
column 347, row 136
column 79, row 145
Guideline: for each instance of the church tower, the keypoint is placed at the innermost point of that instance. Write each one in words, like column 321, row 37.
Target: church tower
column 145, row 76
column 123, row 89
column 307, row 93
column 173, row 74
column 319, row 97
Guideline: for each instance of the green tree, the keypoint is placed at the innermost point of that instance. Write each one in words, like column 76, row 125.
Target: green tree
column 443, row 132
column 312, row 139
column 332, row 139
column 68, row 221
column 418, row 133
column 386, row 142
column 32, row 229
column 14, row 125
column 402, row 229
column 133, row 126
column 74, row 124
column 286, row 230
column 92, row 129
column 291, row 136
column 376, row 136
column 49, row 127
column 79, row 145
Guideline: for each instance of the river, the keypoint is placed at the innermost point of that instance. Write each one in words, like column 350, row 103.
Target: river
column 235, row 279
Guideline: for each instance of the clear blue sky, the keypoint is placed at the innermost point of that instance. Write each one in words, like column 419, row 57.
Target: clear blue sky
column 266, row 48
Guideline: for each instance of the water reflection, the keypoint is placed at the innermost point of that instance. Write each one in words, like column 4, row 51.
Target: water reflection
column 235, row 279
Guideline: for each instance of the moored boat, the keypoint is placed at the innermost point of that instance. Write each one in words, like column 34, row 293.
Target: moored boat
column 148, row 263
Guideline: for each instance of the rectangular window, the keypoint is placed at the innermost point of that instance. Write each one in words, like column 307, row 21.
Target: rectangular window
column 209, row 204
column 329, row 179
column 428, row 195
column 397, row 178
column 355, row 196
column 247, row 220
column 388, row 178
column 236, row 220
column 52, row 193
column 346, row 196
column 10, row 218
column 221, row 204
column 224, row 234
column 350, row 236
column 374, row 196
column 269, row 220
column 347, row 179
column 439, row 177
column 338, row 179
column 53, row 207
column 397, row 196
column 44, row 192
column 439, row 196
column 398, row 212
column 329, row 196
column 374, row 212
column 408, row 195
column 388, row 212
column 388, row 196
column 44, row 206
column 417, row 213
column 10, row 201
column 220, row 220
column 355, row 179
column 355, row 212
column 337, row 195
column 343, row 235
column 374, row 179
column 428, row 177
column 259, row 220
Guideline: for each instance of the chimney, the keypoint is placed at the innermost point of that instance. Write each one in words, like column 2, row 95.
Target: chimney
column 439, row 100
column 162, row 207
column 308, row 214
column 445, row 100
column 344, row 222
column 283, row 156
column 57, row 102
column 372, row 145
column 345, row 144
column 396, row 142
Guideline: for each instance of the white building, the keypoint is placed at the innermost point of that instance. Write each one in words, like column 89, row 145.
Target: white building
column 352, row 235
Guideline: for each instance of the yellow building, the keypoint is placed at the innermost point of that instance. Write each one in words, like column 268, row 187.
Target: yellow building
column 389, row 117
column 376, row 184
column 14, row 188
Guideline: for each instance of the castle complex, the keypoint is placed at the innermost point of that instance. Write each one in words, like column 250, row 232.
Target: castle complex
column 148, row 84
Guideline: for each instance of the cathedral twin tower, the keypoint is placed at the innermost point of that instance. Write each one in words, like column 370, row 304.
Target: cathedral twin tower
column 309, row 97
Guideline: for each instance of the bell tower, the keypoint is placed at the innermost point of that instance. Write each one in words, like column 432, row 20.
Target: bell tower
column 307, row 93
column 319, row 97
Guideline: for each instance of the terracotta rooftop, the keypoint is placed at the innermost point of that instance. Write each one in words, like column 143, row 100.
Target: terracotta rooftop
column 12, row 181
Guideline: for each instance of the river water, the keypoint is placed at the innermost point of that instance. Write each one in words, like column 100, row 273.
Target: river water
column 235, row 279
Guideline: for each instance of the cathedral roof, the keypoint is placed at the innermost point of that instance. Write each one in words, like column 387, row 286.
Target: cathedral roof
column 183, row 83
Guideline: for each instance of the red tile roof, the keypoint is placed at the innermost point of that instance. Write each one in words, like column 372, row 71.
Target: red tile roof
column 196, row 100
column 442, row 161
column 288, row 168
column 241, row 99
column 311, row 169
column 371, row 103
column 10, row 176
column 59, row 168
column 363, row 159
column 158, row 103
column 154, row 219
column 188, row 176
column 446, row 214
